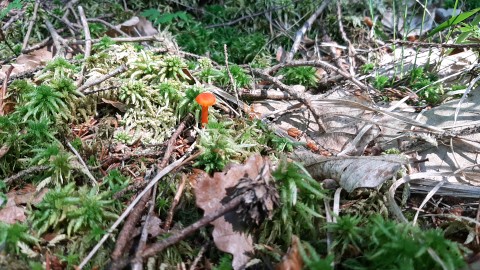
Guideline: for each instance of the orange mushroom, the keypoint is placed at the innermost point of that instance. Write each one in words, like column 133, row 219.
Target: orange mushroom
column 205, row 100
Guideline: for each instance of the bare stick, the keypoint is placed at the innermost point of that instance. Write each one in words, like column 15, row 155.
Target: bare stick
column 157, row 177
column 73, row 28
column 3, row 92
column 88, row 43
column 234, row 84
column 198, row 257
column 318, row 63
column 306, row 26
column 87, row 171
column 172, row 140
column 302, row 97
column 109, row 25
column 125, row 234
column 55, row 37
column 138, row 264
column 86, row 30
column 176, row 199
column 107, row 76
column 351, row 49
column 235, row 21
column 13, row 19
column 261, row 94
column 121, row 39
column 163, row 244
column 30, row 25
column 31, row 170
column 37, row 46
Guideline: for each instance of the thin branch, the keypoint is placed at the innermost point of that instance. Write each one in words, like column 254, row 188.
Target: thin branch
column 31, row 170
column 302, row 97
column 107, row 76
column 125, row 234
column 37, row 46
column 318, row 63
column 13, row 19
column 177, row 237
column 138, row 265
column 234, row 84
column 86, row 30
column 235, row 21
column 437, row 45
column 199, row 256
column 55, row 37
column 351, row 49
column 176, row 199
column 172, row 140
column 121, row 40
column 3, row 91
column 73, row 28
column 88, row 43
column 127, row 211
column 26, row 74
column 109, row 25
column 87, row 171
column 30, row 25
column 306, row 26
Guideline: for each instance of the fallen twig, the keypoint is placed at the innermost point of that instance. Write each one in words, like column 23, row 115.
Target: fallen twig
column 3, row 92
column 56, row 38
column 30, row 25
column 138, row 265
column 161, row 245
column 166, row 156
column 318, row 63
column 127, row 211
column 87, row 171
column 351, row 49
column 124, row 237
column 306, row 26
column 234, row 84
column 31, row 170
column 88, row 43
column 235, row 21
column 86, row 31
column 302, row 97
column 120, row 40
column 13, row 19
column 107, row 76
column 109, row 25
column 198, row 257
column 176, row 199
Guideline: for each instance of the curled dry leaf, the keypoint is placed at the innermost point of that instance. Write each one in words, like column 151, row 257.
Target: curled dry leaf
column 244, row 180
column 352, row 172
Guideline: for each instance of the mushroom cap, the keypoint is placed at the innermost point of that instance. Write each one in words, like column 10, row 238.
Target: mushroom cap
column 206, row 99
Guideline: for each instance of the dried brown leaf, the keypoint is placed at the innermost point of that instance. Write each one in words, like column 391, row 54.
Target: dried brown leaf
column 11, row 213
column 228, row 233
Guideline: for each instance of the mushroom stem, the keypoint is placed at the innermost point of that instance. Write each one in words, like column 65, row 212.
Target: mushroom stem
column 204, row 115
column 205, row 99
